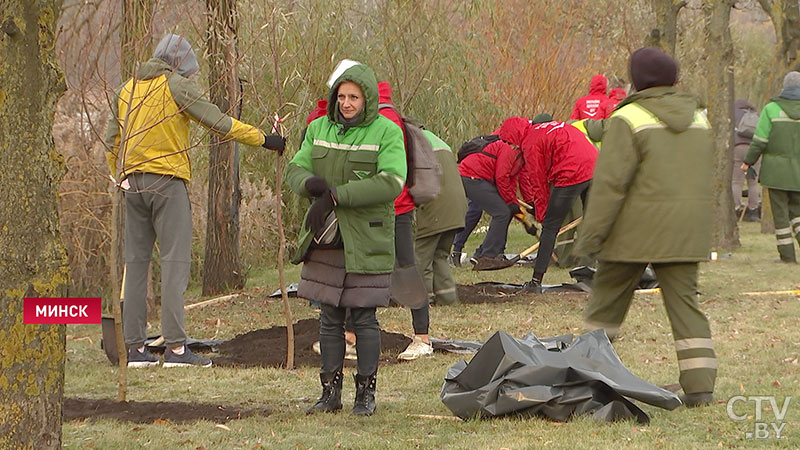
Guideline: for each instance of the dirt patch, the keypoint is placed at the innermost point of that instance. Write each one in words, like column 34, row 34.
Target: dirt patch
column 489, row 293
column 267, row 347
column 471, row 294
column 154, row 412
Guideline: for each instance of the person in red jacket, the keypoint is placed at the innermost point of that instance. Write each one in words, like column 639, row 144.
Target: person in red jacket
column 592, row 106
column 490, row 180
column 615, row 96
column 556, row 155
column 404, row 241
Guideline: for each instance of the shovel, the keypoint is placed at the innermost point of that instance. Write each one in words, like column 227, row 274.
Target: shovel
column 533, row 247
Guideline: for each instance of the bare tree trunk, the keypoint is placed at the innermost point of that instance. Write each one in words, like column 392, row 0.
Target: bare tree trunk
column 135, row 42
column 665, row 34
column 719, row 77
column 33, row 262
column 222, row 267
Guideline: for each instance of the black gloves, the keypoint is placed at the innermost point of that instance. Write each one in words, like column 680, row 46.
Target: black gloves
column 530, row 229
column 316, row 186
column 319, row 211
column 513, row 208
column 275, row 142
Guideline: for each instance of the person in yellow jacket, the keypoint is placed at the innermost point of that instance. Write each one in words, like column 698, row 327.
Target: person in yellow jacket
column 147, row 142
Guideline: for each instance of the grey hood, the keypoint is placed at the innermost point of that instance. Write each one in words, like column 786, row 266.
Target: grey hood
column 177, row 52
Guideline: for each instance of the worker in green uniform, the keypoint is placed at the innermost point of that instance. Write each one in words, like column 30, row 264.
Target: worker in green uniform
column 651, row 202
column 438, row 221
column 776, row 141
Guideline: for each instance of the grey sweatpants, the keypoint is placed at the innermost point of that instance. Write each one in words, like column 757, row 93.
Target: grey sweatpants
column 156, row 207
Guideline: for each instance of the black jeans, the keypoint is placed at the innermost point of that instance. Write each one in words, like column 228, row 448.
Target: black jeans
column 484, row 194
column 471, row 219
column 561, row 199
column 404, row 257
column 331, row 338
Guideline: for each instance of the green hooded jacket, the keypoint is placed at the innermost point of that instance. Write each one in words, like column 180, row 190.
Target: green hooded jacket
column 650, row 199
column 446, row 211
column 366, row 163
column 777, row 141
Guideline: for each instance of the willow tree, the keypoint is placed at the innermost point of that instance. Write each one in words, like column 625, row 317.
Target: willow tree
column 33, row 262
column 222, row 267
column 719, row 77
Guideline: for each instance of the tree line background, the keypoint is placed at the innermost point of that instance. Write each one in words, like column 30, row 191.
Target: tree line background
column 458, row 66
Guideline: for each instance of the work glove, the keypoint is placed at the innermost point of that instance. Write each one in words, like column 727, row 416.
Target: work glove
column 316, row 186
column 319, row 211
column 751, row 173
column 532, row 210
column 513, row 208
column 275, row 142
column 530, row 228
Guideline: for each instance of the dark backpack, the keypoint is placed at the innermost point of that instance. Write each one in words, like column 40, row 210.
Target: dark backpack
column 747, row 124
column 476, row 145
column 424, row 178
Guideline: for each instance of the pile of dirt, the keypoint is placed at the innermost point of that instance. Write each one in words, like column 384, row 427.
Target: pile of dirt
column 154, row 412
column 267, row 347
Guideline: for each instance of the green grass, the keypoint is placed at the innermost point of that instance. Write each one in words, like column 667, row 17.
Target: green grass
column 757, row 341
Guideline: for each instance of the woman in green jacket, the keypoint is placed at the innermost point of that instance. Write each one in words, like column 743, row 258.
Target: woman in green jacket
column 352, row 163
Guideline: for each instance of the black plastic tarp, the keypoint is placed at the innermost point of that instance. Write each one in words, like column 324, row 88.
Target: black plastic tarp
column 528, row 377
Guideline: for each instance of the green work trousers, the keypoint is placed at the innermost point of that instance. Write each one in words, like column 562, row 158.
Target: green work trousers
column 612, row 292
column 786, row 215
column 432, row 252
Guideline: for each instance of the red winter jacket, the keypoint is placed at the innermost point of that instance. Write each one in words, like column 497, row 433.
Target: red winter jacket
column 503, row 170
column 592, row 106
column 615, row 96
column 403, row 203
column 554, row 154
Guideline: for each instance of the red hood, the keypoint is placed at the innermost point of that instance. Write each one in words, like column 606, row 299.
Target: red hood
column 320, row 111
column 513, row 130
column 616, row 94
column 384, row 92
column 598, row 85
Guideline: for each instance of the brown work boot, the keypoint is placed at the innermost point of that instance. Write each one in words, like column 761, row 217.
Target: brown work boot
column 697, row 399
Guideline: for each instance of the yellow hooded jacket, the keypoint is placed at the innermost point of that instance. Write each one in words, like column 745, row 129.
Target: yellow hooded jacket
column 152, row 112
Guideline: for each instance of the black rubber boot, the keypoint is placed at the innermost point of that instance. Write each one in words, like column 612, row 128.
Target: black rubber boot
column 364, row 404
column 331, row 398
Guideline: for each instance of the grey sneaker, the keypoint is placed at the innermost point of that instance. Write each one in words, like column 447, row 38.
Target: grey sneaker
column 137, row 359
column 187, row 359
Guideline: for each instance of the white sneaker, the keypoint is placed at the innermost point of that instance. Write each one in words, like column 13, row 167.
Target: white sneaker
column 349, row 350
column 415, row 349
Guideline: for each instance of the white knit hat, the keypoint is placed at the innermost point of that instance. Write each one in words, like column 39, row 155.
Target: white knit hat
column 341, row 67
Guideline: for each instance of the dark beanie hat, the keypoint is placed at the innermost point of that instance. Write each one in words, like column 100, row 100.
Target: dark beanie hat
column 651, row 67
